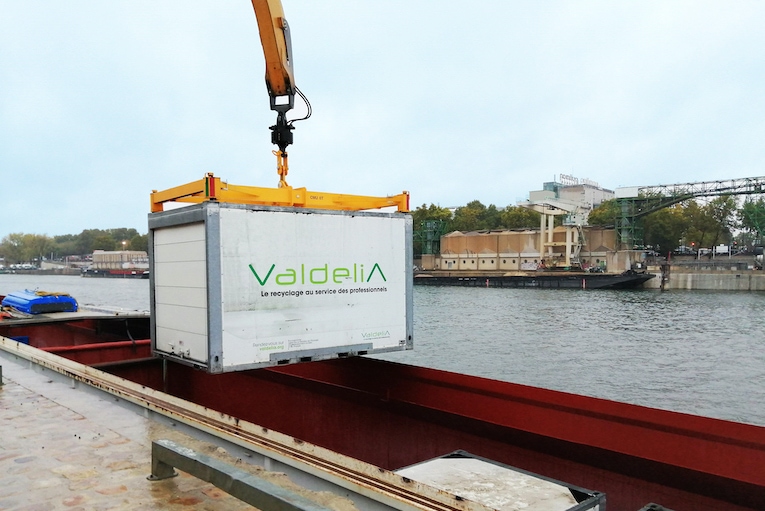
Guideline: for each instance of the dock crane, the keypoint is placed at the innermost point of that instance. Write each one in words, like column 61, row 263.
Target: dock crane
column 576, row 217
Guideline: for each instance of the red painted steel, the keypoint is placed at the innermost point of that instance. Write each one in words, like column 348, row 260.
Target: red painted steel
column 722, row 448
column 393, row 415
column 104, row 353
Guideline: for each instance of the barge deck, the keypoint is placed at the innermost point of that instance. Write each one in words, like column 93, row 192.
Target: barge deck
column 383, row 416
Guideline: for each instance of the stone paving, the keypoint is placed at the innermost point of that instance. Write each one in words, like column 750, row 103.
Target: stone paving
column 61, row 449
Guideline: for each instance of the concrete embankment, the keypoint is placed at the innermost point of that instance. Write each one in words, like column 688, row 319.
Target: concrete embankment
column 708, row 280
column 54, row 271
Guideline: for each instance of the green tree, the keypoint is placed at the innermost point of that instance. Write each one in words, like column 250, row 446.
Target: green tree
column 432, row 212
column 104, row 242
column 65, row 245
column 429, row 224
column 516, row 217
column 21, row 247
column 751, row 217
column 702, row 226
column 85, row 241
column 605, row 214
column 491, row 218
column 139, row 242
column 12, row 248
column 122, row 234
column 468, row 218
column 665, row 228
column 36, row 247
column 97, row 239
column 476, row 217
column 712, row 223
column 723, row 210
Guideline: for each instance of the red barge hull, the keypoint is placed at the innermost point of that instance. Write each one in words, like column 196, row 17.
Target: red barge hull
column 394, row 415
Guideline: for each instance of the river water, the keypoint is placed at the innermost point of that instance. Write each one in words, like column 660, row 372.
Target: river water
column 689, row 351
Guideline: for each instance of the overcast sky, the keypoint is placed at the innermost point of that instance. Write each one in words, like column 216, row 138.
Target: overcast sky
column 103, row 101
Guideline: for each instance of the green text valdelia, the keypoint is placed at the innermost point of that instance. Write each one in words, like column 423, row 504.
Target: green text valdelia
column 319, row 275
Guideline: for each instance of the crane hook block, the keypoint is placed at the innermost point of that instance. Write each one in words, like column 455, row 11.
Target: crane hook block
column 281, row 132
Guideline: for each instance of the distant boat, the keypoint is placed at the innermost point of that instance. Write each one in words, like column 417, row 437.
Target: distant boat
column 122, row 274
column 538, row 279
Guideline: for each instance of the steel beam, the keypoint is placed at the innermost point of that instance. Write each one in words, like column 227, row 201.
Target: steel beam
column 256, row 491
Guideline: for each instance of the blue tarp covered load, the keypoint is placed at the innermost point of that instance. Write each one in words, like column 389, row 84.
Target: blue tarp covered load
column 39, row 302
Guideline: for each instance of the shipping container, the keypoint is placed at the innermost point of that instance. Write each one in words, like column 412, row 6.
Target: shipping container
column 237, row 287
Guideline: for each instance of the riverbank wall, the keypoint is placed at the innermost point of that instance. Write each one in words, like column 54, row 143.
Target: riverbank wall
column 52, row 271
column 718, row 279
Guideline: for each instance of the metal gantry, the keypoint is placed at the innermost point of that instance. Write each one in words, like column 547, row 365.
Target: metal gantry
column 653, row 198
column 429, row 235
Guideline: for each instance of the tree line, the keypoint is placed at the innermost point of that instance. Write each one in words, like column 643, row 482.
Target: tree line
column 33, row 248
column 690, row 223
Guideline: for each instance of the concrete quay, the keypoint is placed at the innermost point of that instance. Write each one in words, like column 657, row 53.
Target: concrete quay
column 64, row 449
column 718, row 279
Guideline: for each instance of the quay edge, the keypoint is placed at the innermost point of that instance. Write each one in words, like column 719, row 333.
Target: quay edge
column 718, row 279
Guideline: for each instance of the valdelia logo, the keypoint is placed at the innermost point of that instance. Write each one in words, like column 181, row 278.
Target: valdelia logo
column 382, row 334
column 320, row 275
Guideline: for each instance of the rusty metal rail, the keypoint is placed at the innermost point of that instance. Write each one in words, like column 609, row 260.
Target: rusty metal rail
column 370, row 487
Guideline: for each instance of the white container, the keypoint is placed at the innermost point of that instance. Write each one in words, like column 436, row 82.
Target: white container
column 627, row 192
column 237, row 287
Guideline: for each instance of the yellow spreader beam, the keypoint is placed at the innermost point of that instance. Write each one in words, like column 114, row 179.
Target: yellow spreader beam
column 211, row 188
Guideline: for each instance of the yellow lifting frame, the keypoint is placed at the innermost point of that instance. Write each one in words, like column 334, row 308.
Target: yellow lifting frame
column 211, row 188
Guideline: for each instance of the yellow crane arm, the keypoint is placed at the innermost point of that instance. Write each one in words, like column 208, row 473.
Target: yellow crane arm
column 280, row 79
column 277, row 49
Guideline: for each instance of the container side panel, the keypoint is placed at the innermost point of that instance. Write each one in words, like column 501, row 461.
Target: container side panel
column 309, row 286
column 180, row 343
column 185, row 251
column 180, row 234
column 180, row 291
column 181, row 274
column 182, row 296
column 183, row 319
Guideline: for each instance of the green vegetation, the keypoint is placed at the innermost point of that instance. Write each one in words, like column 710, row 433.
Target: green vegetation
column 691, row 224
column 21, row 248
column 476, row 217
column 688, row 223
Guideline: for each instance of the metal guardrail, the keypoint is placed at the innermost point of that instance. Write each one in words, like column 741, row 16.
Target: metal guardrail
column 167, row 455
column 369, row 487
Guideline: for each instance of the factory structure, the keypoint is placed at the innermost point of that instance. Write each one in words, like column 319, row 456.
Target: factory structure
column 570, row 244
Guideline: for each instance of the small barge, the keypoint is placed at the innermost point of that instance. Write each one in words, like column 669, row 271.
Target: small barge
column 115, row 274
column 537, row 279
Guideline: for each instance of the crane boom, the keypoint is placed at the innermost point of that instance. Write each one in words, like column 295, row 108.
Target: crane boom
column 277, row 49
column 280, row 78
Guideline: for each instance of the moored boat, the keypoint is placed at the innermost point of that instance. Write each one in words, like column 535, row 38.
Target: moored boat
column 112, row 273
column 537, row 279
column 392, row 415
